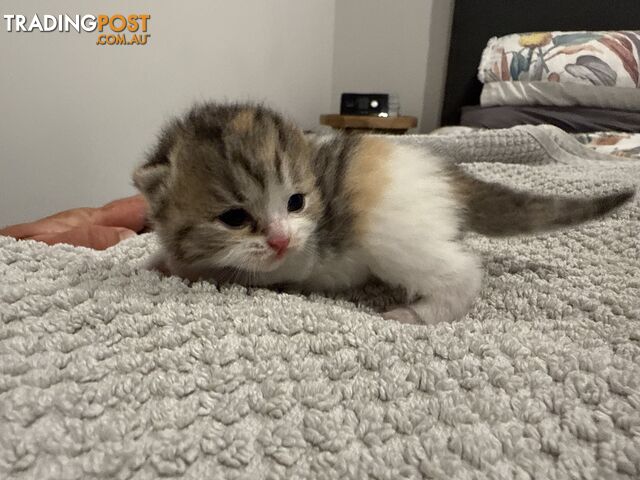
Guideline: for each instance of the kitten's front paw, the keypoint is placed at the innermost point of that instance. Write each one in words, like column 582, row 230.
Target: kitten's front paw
column 158, row 262
column 405, row 315
column 162, row 263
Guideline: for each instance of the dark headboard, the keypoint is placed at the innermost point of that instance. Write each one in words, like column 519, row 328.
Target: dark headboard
column 476, row 21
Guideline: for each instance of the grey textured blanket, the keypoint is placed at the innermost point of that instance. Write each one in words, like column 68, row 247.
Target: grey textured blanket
column 110, row 371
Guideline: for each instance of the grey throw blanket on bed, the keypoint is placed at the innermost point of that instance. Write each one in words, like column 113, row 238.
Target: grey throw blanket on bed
column 110, row 371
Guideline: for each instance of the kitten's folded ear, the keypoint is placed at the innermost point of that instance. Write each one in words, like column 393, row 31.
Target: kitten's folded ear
column 151, row 178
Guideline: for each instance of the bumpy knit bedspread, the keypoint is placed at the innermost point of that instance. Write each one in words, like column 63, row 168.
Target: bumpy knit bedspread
column 111, row 371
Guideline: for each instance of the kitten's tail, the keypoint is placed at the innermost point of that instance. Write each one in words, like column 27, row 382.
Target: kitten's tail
column 496, row 210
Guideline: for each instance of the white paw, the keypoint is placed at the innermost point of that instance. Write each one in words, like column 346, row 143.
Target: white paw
column 405, row 315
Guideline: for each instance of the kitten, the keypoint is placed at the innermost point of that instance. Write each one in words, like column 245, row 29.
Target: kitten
column 238, row 193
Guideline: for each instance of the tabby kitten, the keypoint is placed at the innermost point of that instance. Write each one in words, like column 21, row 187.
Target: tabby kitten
column 238, row 193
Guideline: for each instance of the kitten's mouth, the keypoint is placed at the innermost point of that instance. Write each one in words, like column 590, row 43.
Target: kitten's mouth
column 267, row 261
column 276, row 258
column 277, row 255
column 268, row 264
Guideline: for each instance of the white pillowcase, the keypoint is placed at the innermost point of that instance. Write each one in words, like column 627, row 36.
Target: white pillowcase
column 559, row 95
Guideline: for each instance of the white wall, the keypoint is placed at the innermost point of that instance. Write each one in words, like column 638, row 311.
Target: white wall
column 440, row 20
column 77, row 117
column 393, row 46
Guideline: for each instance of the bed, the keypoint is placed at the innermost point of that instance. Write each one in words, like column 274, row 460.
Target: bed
column 581, row 46
column 108, row 370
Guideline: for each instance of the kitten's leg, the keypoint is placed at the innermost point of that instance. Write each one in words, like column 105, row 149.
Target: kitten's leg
column 166, row 266
column 446, row 280
column 158, row 262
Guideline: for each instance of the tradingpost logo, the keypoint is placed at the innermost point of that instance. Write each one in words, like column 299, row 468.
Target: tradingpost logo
column 114, row 29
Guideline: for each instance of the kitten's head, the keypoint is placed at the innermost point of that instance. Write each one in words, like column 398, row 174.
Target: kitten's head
column 230, row 186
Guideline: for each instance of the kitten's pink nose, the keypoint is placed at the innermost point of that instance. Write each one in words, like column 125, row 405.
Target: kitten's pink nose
column 279, row 243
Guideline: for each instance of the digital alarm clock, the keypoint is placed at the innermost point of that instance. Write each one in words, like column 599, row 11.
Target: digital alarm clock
column 374, row 104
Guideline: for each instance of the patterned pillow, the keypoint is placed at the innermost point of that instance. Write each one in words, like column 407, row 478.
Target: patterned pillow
column 589, row 58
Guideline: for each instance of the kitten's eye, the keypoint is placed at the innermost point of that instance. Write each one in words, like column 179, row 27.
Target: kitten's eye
column 235, row 217
column 296, row 202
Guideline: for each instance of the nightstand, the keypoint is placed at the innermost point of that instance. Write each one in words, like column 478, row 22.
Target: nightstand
column 369, row 124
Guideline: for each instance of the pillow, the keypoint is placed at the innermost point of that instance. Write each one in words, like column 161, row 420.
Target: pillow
column 559, row 95
column 562, row 68
column 590, row 58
